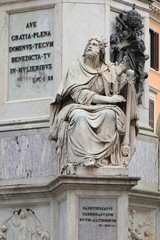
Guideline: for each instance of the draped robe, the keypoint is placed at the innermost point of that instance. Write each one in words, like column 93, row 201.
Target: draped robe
column 84, row 130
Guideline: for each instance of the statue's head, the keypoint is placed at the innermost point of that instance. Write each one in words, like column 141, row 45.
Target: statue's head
column 23, row 213
column 101, row 45
column 125, row 149
column 4, row 228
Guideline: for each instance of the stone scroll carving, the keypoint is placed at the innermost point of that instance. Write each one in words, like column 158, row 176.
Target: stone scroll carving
column 127, row 41
column 23, row 224
column 94, row 112
column 140, row 230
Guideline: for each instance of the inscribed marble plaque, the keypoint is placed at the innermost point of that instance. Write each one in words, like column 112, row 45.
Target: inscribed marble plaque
column 97, row 219
column 31, row 47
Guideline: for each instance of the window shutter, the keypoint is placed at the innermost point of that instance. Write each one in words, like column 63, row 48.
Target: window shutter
column 151, row 48
column 151, row 113
column 154, row 50
column 157, row 51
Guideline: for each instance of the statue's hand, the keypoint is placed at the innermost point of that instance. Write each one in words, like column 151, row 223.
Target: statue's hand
column 117, row 98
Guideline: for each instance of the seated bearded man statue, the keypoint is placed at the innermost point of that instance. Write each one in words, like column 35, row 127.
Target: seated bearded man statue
column 88, row 114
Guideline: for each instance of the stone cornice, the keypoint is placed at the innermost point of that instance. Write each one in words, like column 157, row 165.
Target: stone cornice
column 155, row 11
column 143, row 196
column 52, row 185
column 24, row 124
column 47, row 186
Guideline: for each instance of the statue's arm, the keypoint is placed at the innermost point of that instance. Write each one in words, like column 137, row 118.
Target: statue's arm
column 86, row 96
column 82, row 95
column 104, row 99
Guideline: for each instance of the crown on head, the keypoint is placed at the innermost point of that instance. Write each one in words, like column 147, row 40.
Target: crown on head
column 100, row 39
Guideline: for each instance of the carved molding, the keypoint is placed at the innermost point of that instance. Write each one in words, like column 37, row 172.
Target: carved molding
column 155, row 11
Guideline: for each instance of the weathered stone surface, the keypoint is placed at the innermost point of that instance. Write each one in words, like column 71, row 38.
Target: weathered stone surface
column 62, row 223
column 27, row 156
column 144, row 162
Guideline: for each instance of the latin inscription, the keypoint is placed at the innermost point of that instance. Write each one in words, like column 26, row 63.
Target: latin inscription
column 99, row 215
column 31, row 47
column 98, row 219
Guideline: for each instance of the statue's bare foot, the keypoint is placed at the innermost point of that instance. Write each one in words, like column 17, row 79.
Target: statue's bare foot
column 113, row 164
column 104, row 162
column 91, row 162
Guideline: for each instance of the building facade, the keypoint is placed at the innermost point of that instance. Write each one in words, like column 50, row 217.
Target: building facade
column 154, row 70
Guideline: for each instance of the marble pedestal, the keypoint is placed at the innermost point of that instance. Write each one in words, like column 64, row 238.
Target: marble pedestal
column 66, row 207
column 96, row 171
column 92, row 208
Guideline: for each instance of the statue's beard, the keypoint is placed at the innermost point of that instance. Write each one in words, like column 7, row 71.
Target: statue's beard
column 90, row 55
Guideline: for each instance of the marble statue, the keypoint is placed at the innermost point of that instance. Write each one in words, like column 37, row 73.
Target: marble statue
column 94, row 113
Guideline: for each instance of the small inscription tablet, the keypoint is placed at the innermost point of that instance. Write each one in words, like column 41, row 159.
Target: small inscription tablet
column 30, row 49
column 97, row 219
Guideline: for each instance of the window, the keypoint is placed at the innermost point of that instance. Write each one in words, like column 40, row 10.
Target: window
column 154, row 50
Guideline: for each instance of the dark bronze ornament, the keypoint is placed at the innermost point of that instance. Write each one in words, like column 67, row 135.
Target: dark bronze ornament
column 127, row 41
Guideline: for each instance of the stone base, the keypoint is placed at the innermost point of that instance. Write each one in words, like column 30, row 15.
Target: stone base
column 93, row 207
column 96, row 171
column 68, row 207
